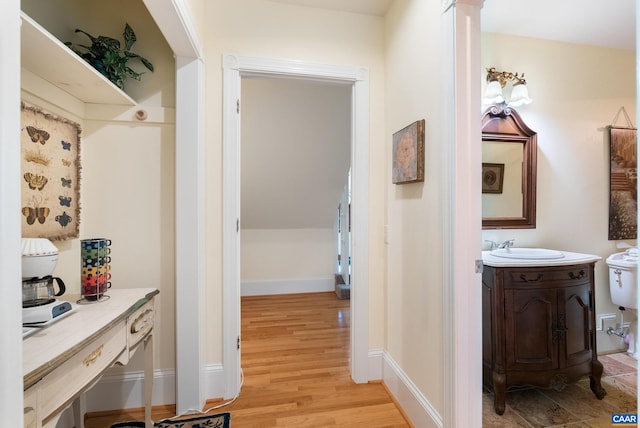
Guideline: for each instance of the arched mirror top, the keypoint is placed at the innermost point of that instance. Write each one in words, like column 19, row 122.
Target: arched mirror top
column 509, row 170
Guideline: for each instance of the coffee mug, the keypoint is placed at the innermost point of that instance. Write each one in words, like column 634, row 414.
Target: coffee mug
column 95, row 262
column 92, row 288
column 95, row 243
column 89, row 281
column 95, row 270
column 104, row 277
column 95, row 252
column 91, row 292
column 102, row 288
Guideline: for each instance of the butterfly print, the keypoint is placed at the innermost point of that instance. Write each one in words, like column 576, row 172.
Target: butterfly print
column 37, row 157
column 65, row 201
column 66, row 162
column 63, row 219
column 65, row 145
column 66, row 182
column 33, row 213
column 35, row 181
column 37, row 135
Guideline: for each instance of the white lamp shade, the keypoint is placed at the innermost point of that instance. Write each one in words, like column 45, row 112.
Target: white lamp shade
column 493, row 93
column 519, row 96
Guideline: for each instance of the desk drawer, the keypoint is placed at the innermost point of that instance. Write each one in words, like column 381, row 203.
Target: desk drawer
column 60, row 386
column 139, row 324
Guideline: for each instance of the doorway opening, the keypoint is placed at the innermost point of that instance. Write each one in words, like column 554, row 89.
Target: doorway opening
column 237, row 68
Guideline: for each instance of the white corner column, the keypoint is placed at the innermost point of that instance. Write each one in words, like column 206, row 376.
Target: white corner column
column 462, row 212
column 190, row 248
column 174, row 19
column 11, row 404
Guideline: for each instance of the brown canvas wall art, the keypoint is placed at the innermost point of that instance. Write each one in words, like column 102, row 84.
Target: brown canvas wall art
column 408, row 154
column 50, row 185
column 623, row 180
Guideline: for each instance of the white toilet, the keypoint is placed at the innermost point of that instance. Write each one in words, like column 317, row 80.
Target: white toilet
column 623, row 282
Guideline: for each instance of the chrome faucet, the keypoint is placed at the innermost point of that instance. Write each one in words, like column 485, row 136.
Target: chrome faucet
column 507, row 244
column 492, row 244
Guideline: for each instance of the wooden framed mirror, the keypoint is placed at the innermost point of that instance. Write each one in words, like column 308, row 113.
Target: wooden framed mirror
column 509, row 152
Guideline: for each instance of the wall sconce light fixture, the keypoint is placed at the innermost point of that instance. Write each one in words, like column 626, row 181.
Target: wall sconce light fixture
column 497, row 80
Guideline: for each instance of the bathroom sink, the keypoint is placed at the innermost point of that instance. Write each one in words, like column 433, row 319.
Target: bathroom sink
column 527, row 253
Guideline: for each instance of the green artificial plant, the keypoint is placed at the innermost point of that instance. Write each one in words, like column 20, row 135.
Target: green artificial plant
column 106, row 56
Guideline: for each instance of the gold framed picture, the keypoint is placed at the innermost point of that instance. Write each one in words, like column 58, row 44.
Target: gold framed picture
column 492, row 177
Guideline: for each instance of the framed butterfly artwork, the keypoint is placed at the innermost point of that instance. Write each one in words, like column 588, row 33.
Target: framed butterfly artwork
column 50, row 175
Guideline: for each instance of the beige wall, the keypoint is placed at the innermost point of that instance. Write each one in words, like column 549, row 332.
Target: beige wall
column 269, row 29
column 577, row 91
column 287, row 254
column 295, row 152
column 413, row 295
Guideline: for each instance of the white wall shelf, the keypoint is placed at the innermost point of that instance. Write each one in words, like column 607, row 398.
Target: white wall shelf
column 47, row 57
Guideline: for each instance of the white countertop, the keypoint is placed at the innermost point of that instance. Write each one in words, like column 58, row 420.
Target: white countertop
column 568, row 260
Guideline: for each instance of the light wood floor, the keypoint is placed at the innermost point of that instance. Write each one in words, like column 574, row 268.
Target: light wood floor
column 295, row 359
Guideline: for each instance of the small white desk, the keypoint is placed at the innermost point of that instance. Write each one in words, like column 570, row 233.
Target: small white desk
column 66, row 358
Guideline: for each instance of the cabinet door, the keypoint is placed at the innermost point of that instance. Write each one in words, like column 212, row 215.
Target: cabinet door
column 575, row 320
column 530, row 318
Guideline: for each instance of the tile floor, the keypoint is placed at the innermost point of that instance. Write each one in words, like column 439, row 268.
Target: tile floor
column 576, row 406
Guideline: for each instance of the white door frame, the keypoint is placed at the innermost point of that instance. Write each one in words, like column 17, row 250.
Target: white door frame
column 173, row 18
column 235, row 67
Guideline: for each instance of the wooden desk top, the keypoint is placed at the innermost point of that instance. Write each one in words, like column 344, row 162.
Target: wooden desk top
column 49, row 347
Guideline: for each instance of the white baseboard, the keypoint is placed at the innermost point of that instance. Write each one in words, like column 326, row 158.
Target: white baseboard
column 413, row 403
column 124, row 391
column 376, row 363
column 287, row 286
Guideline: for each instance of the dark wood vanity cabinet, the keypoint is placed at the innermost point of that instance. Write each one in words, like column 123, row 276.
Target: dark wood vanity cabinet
column 538, row 328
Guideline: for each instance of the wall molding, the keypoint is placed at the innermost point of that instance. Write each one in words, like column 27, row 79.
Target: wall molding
column 115, row 113
column 414, row 404
column 287, row 286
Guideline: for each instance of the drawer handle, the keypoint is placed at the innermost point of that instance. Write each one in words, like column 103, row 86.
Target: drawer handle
column 574, row 276
column 536, row 279
column 93, row 356
column 138, row 326
column 141, row 322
